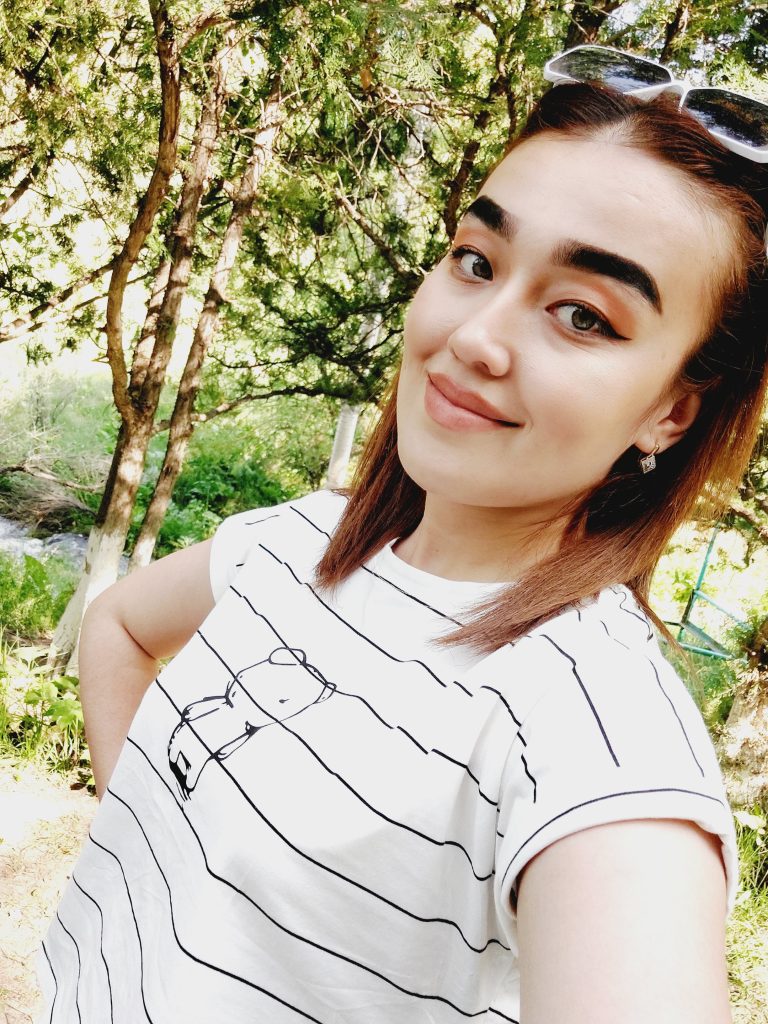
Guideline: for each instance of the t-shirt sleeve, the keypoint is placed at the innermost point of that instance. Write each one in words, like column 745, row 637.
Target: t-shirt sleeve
column 232, row 542
column 614, row 736
column 240, row 534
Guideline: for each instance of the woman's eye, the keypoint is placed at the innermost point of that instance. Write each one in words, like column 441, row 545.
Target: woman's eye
column 472, row 263
column 584, row 320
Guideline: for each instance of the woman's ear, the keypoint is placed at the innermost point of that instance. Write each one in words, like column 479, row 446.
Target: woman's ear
column 665, row 430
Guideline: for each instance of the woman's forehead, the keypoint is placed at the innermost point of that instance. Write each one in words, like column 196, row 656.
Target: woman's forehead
column 560, row 190
column 608, row 191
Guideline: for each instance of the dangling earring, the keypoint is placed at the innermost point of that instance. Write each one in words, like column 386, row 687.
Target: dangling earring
column 648, row 462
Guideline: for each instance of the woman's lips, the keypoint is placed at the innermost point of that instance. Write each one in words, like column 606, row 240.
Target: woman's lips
column 453, row 407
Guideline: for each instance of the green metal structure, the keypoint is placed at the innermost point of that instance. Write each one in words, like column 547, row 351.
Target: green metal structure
column 691, row 636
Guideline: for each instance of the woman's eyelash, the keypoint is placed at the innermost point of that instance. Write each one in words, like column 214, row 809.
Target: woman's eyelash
column 457, row 255
column 600, row 326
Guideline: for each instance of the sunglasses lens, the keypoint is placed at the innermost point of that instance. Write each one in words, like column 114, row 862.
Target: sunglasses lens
column 622, row 71
column 737, row 117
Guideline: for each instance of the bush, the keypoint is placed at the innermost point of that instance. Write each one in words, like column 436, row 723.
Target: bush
column 40, row 718
column 33, row 594
column 217, row 480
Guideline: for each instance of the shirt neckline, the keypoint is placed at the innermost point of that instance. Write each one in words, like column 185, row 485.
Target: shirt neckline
column 426, row 586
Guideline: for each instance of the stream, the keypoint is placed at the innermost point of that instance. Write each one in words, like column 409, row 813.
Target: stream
column 15, row 540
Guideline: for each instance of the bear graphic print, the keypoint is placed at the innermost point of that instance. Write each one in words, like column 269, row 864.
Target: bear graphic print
column 264, row 694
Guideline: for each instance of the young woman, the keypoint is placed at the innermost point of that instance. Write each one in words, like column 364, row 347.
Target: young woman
column 420, row 757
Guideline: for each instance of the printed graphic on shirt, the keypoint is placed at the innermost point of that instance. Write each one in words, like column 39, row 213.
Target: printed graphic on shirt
column 270, row 691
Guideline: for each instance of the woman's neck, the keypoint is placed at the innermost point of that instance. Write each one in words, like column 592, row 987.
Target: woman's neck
column 487, row 545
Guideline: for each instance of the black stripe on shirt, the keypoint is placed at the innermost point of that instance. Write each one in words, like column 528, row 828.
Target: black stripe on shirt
column 392, row 657
column 77, row 953
column 635, row 615
column 611, row 637
column 350, row 627
column 231, row 885
column 308, row 520
column 101, row 942
column 325, row 867
column 651, row 662
column 55, row 982
column 135, row 922
column 196, row 959
column 412, row 597
column 283, row 928
column 498, row 1013
column 367, row 639
column 362, row 636
column 579, row 680
column 679, row 720
column 597, row 800
column 256, row 522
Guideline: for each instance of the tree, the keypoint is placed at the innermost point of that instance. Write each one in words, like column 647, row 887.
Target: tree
column 390, row 115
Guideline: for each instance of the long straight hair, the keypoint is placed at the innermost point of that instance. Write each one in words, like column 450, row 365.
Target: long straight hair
column 617, row 531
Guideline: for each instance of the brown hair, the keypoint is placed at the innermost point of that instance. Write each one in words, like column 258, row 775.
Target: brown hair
column 617, row 531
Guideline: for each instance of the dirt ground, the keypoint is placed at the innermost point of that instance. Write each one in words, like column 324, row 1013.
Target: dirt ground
column 43, row 824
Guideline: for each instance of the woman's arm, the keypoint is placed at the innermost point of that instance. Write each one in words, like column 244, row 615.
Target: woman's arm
column 150, row 614
column 625, row 924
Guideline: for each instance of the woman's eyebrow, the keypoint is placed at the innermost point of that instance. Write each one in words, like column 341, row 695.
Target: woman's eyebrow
column 495, row 217
column 571, row 253
column 608, row 264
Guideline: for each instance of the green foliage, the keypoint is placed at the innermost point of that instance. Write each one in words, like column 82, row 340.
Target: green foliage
column 711, row 682
column 752, row 834
column 221, row 476
column 40, row 718
column 33, row 594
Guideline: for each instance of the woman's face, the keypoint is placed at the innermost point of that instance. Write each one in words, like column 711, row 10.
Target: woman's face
column 549, row 340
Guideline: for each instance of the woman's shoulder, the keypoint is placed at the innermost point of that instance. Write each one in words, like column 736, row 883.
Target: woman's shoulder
column 603, row 668
column 607, row 630
column 302, row 524
column 320, row 510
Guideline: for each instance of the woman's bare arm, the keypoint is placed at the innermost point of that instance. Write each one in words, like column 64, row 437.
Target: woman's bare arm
column 625, row 923
column 148, row 615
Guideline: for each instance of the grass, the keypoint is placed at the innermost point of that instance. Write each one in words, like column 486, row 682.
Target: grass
column 748, row 924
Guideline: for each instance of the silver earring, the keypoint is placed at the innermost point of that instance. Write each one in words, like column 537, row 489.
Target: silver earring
column 648, row 462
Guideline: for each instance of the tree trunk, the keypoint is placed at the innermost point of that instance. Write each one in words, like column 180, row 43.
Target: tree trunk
column 346, row 424
column 344, row 438
column 105, row 542
column 587, row 18
column 137, row 400
column 182, row 425
column 744, row 745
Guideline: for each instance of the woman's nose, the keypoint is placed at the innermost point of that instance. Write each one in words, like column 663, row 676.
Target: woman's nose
column 479, row 342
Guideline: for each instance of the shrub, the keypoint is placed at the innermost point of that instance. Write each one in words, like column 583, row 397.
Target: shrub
column 40, row 718
column 33, row 594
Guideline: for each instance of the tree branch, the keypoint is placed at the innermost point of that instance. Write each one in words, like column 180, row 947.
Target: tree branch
column 312, row 391
column 457, row 184
column 381, row 244
column 203, row 21
column 743, row 513
column 21, row 188
column 40, row 474
column 20, row 325
column 675, row 28
column 167, row 52
column 587, row 18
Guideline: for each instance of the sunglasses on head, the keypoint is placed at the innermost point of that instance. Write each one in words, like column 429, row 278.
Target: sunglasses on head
column 738, row 122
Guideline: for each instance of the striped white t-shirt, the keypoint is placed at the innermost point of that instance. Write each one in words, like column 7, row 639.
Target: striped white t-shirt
column 319, row 815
